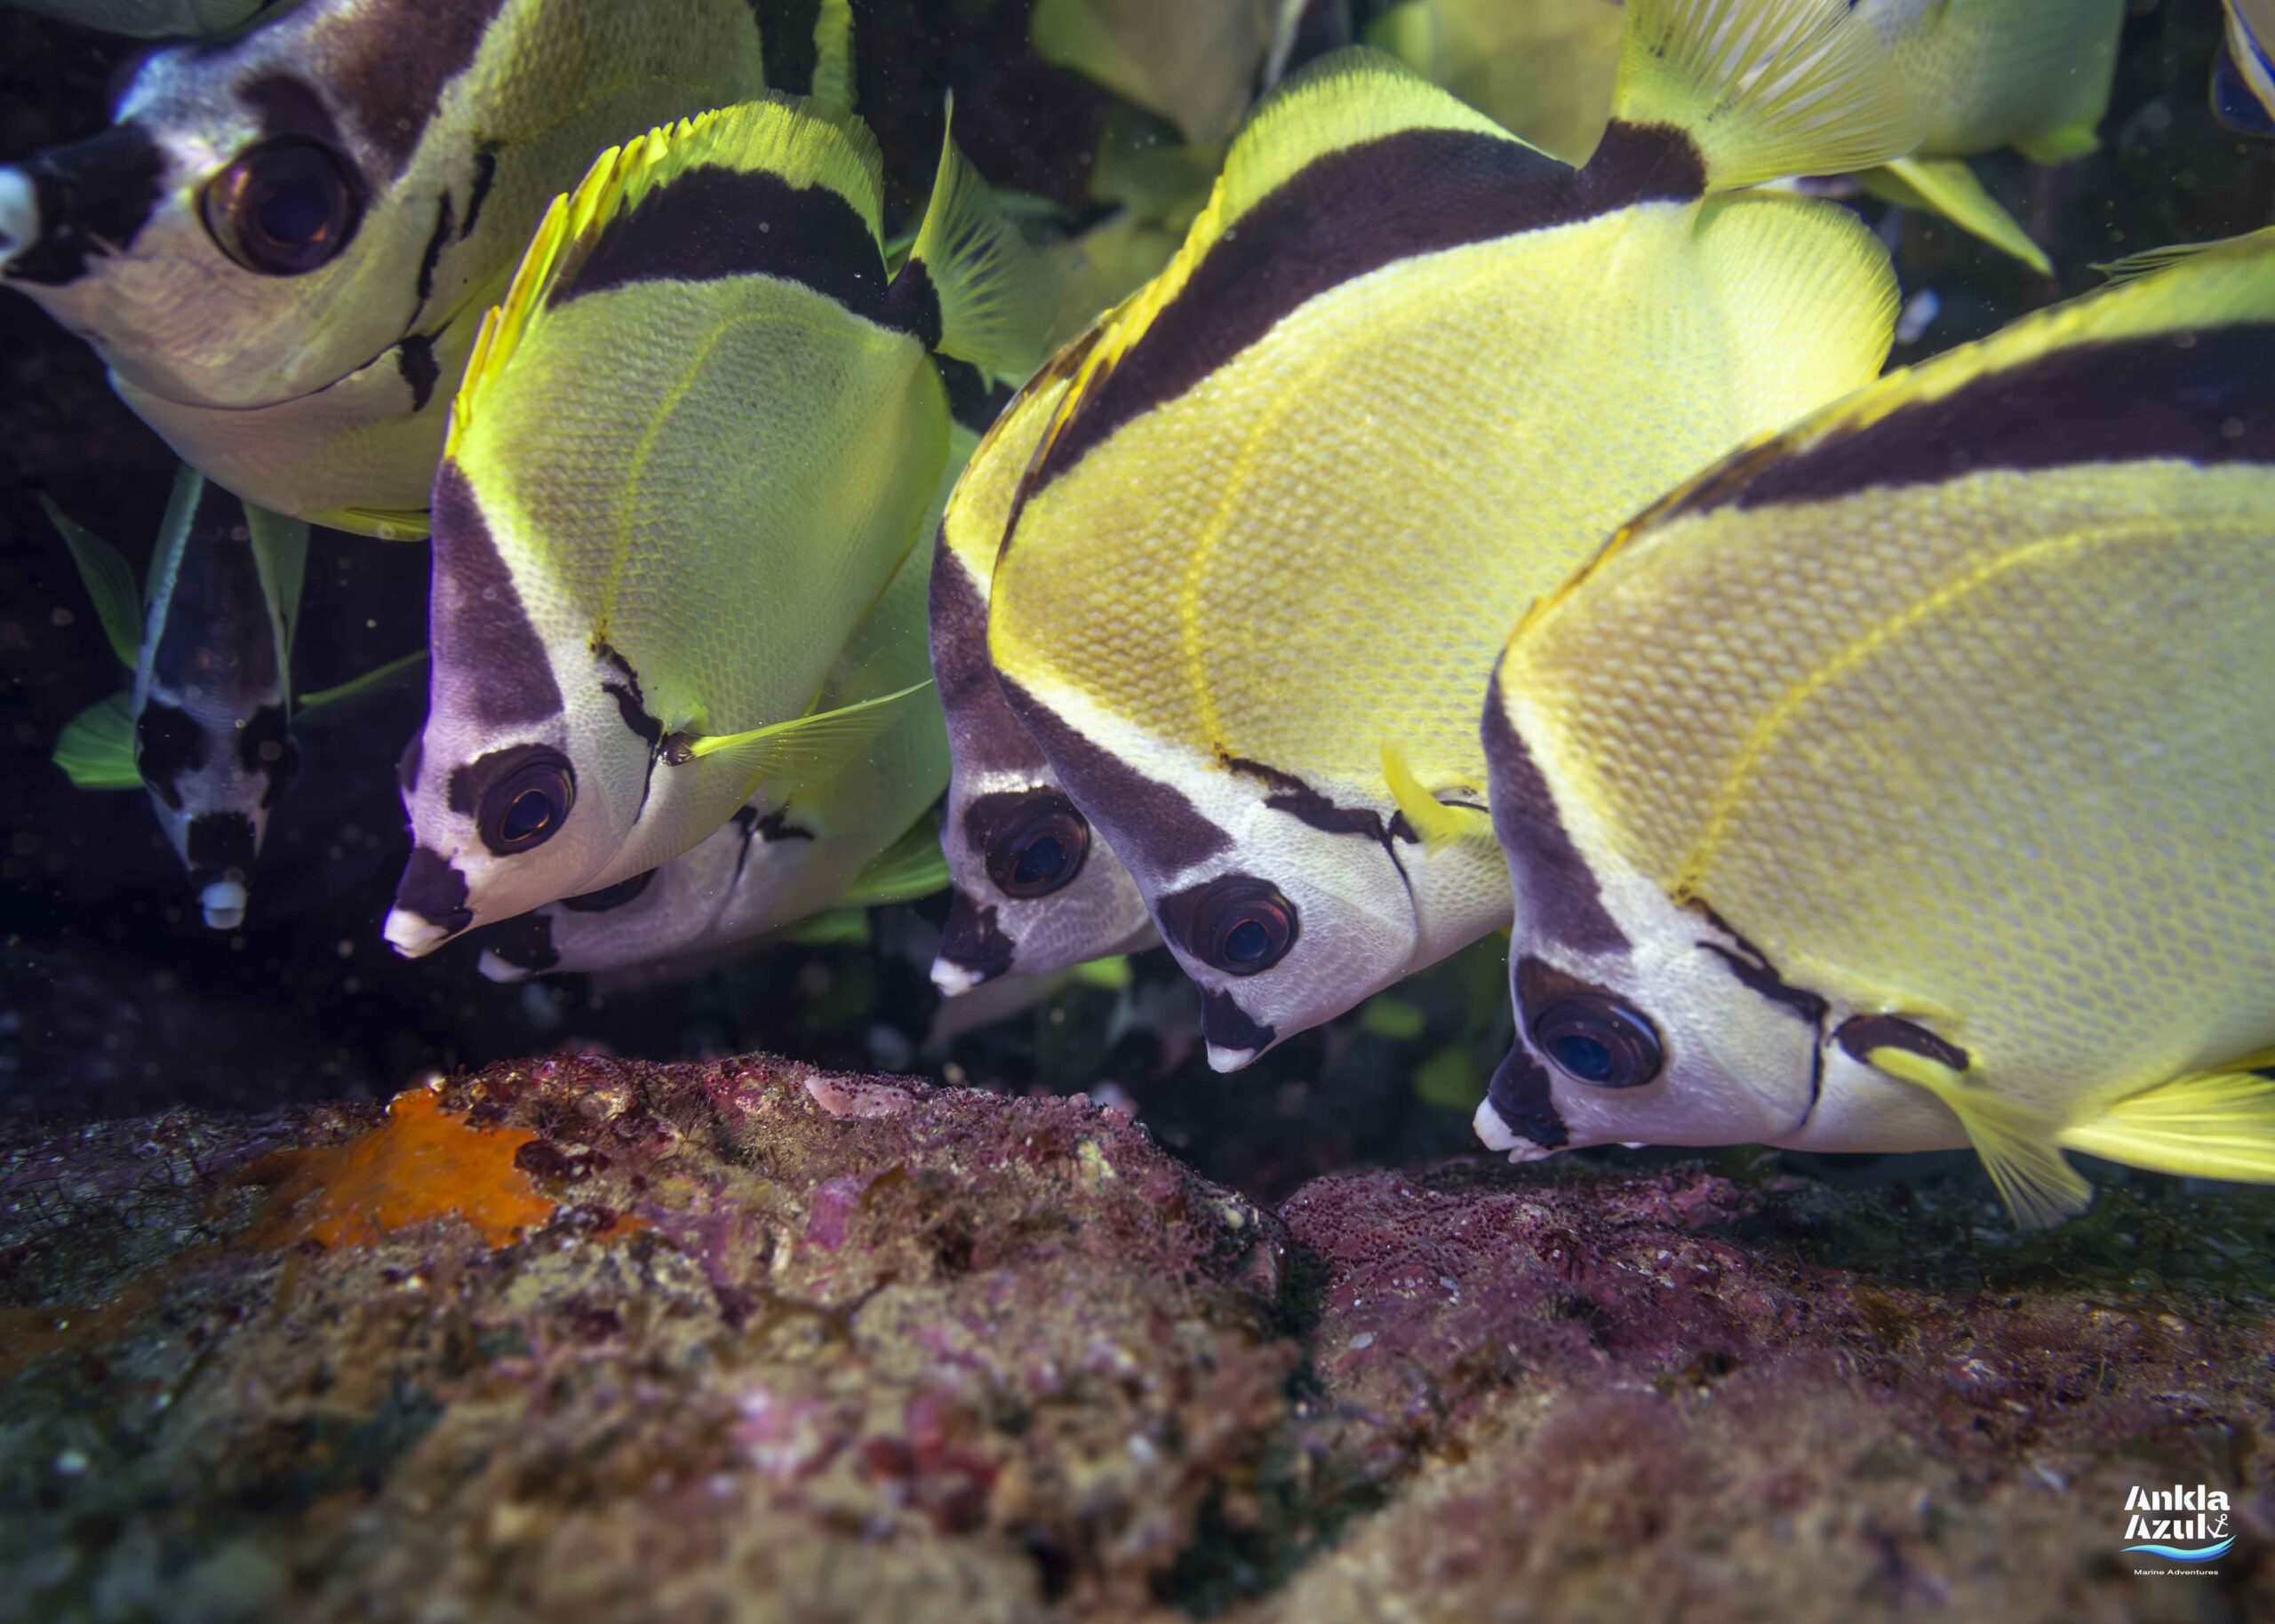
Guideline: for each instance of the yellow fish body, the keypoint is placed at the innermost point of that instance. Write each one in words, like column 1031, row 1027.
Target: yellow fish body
column 1032, row 890
column 1904, row 782
column 696, row 445
column 283, row 248
column 1404, row 375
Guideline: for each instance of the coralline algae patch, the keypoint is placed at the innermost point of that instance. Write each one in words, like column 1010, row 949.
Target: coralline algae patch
column 421, row 1163
column 777, row 1344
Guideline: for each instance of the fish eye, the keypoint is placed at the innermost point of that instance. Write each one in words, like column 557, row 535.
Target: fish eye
column 1598, row 1040
column 524, row 810
column 1240, row 925
column 283, row 207
column 1038, row 847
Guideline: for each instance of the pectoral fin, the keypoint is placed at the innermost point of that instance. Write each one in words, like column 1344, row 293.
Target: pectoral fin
column 2017, row 1145
column 805, row 748
column 356, row 687
column 1438, row 823
column 382, row 523
column 911, row 867
column 96, row 748
column 1949, row 188
column 2211, row 1125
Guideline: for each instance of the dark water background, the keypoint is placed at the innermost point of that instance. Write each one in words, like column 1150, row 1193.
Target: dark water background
column 116, row 998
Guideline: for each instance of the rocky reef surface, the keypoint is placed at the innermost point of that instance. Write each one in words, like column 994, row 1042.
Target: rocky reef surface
column 592, row 1340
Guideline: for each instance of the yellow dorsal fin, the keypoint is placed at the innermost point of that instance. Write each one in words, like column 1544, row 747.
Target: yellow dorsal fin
column 832, row 82
column 1949, row 188
column 1438, row 823
column 809, row 748
column 2212, row 1125
column 2197, row 288
column 1766, row 88
column 794, row 139
column 2017, row 1145
column 1342, row 100
column 988, row 282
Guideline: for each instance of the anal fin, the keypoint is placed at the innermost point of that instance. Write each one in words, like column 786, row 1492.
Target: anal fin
column 1949, row 188
column 2018, row 1146
column 911, row 867
column 2211, row 1125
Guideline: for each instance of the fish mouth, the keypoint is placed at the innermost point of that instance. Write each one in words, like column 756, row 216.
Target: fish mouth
column 1499, row 1136
column 955, row 980
column 1223, row 1059
column 224, row 904
column 411, row 935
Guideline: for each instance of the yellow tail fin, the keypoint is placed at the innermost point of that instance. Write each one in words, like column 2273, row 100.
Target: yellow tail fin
column 2211, row 1125
column 2016, row 1144
column 1766, row 88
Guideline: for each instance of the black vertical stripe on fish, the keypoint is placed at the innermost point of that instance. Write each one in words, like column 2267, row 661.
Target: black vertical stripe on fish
column 485, row 174
column 1151, row 821
column 958, row 620
column 611, row 897
column 265, row 750
column 1558, row 894
column 2202, row 397
column 287, row 106
column 415, row 360
column 786, row 45
column 1225, row 1025
column 1306, row 805
column 1523, row 1096
column 436, row 240
column 972, row 941
column 479, row 626
column 167, row 743
column 434, row 890
column 776, row 825
column 218, row 846
column 974, row 401
column 632, row 706
column 216, row 636
column 1860, row 1035
column 94, row 196
column 631, row 703
column 1353, row 212
column 387, row 66
column 1754, row 972
column 1323, row 26
column 913, row 303
column 710, row 223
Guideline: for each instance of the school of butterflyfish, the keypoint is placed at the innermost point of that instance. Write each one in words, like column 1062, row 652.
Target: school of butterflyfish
column 1470, row 500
